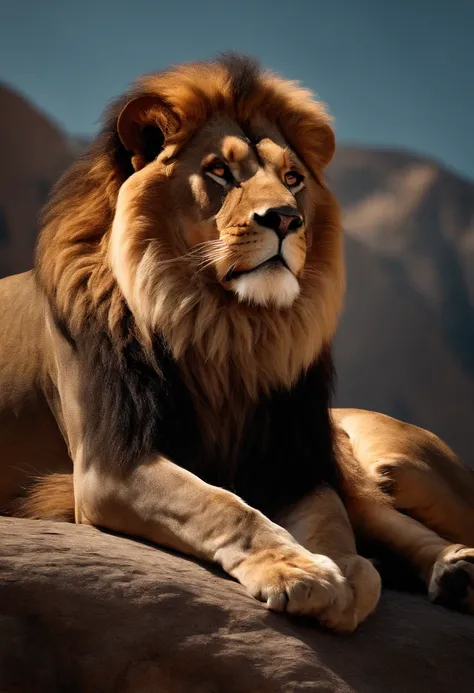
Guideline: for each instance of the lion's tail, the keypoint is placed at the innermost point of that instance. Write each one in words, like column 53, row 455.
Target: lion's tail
column 51, row 497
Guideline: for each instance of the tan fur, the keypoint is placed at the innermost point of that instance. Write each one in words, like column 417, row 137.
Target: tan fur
column 52, row 498
column 420, row 472
column 136, row 247
column 423, row 478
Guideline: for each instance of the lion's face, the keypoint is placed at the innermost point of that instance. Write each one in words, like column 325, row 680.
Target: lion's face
column 249, row 200
column 241, row 202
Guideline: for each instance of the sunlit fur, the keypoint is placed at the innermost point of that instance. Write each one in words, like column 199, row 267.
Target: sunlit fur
column 267, row 287
column 151, row 237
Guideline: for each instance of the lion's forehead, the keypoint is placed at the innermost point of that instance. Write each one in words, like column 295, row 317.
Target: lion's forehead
column 249, row 146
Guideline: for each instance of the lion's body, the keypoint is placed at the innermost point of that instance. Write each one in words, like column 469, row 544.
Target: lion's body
column 32, row 443
column 32, row 413
column 407, row 461
column 174, row 341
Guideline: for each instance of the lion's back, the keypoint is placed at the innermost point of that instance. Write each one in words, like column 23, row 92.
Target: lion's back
column 29, row 437
column 21, row 337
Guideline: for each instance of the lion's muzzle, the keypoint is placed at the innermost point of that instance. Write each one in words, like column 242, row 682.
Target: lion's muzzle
column 282, row 220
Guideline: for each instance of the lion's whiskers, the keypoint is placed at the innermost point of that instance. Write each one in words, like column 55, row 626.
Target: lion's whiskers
column 198, row 253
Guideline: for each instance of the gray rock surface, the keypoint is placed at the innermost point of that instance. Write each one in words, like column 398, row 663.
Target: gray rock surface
column 82, row 611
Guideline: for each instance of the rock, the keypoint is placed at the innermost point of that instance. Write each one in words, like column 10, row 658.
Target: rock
column 406, row 339
column 84, row 611
column 34, row 152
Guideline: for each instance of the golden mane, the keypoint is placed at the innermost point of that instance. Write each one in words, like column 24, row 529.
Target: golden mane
column 248, row 348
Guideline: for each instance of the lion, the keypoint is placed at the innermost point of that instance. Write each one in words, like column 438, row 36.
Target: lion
column 166, row 370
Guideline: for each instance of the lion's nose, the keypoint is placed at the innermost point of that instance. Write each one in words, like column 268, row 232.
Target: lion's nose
column 282, row 220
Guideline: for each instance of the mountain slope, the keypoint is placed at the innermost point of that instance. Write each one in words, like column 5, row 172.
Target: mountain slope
column 33, row 153
column 406, row 341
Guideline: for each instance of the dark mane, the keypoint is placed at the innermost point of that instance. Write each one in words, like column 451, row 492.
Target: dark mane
column 244, row 73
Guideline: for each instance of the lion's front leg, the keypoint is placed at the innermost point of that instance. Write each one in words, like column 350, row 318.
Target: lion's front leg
column 320, row 523
column 163, row 503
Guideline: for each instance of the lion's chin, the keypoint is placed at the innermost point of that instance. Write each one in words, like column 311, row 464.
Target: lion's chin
column 277, row 287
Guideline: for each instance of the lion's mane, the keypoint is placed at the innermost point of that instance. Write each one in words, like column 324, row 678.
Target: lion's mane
column 205, row 369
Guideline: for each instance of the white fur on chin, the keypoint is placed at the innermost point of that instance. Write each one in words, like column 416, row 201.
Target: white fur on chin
column 267, row 287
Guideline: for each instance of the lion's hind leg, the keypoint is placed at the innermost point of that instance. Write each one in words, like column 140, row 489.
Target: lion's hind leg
column 435, row 488
column 446, row 569
column 452, row 579
column 434, row 492
column 418, row 489
column 421, row 474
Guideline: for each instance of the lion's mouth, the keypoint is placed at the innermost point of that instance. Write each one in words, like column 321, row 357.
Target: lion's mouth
column 275, row 261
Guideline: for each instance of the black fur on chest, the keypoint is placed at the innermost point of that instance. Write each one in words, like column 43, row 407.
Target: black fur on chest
column 288, row 448
column 135, row 411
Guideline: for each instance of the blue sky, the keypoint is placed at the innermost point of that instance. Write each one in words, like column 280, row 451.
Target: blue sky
column 397, row 74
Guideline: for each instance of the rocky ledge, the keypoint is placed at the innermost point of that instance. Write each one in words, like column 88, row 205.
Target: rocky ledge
column 83, row 611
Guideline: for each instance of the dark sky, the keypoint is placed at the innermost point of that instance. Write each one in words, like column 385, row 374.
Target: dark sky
column 396, row 73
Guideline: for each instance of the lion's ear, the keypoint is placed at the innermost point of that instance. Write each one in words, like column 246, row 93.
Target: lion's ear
column 327, row 144
column 143, row 127
column 313, row 140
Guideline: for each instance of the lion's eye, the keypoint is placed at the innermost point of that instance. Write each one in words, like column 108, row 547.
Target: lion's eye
column 220, row 172
column 293, row 179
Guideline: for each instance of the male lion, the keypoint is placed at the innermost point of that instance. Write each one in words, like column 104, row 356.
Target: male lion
column 176, row 330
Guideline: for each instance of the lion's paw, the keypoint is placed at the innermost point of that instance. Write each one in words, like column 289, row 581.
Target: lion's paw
column 366, row 586
column 299, row 583
column 452, row 579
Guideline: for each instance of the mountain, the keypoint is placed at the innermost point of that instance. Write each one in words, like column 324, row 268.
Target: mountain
column 33, row 154
column 406, row 341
